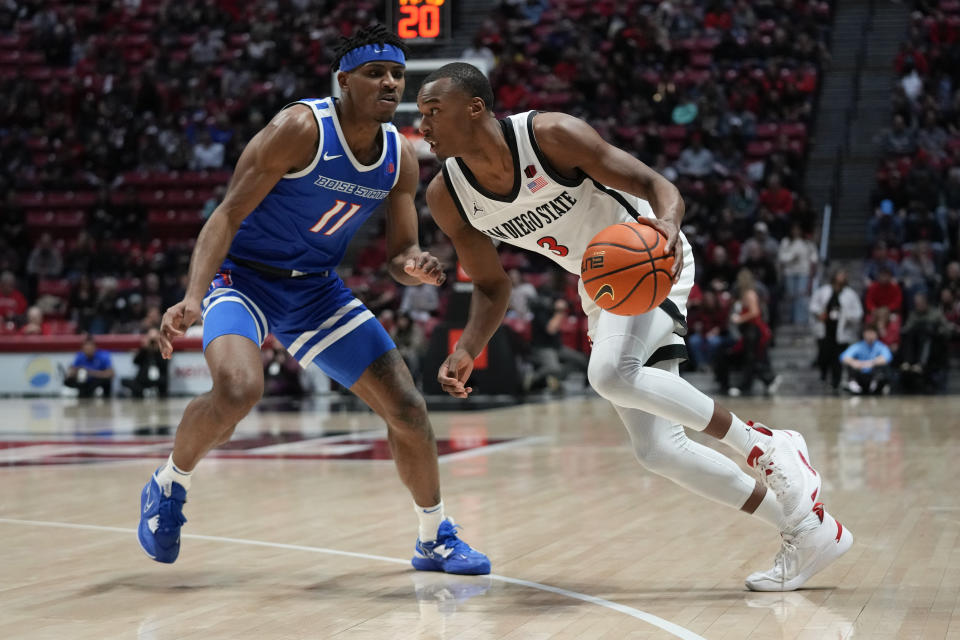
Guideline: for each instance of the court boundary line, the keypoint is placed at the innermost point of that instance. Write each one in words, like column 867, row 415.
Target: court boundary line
column 656, row 621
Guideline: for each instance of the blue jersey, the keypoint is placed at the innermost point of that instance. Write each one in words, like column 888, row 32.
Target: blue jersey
column 307, row 220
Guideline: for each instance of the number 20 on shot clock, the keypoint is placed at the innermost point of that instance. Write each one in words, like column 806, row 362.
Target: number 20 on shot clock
column 422, row 21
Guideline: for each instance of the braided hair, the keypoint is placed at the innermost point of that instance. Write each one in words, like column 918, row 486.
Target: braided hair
column 373, row 34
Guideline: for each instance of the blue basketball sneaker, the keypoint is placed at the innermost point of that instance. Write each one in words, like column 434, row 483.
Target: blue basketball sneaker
column 161, row 517
column 449, row 554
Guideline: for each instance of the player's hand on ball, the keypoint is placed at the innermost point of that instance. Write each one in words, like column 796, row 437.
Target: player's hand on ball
column 454, row 373
column 426, row 268
column 176, row 321
column 671, row 231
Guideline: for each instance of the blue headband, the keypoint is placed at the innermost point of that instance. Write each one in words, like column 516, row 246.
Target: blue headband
column 369, row 53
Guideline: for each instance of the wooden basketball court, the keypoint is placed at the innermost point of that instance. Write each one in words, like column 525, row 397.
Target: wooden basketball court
column 301, row 529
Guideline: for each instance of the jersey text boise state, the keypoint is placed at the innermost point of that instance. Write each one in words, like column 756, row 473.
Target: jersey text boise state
column 349, row 187
column 534, row 220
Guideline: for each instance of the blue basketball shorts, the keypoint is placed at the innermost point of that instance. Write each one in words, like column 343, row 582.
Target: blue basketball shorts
column 316, row 318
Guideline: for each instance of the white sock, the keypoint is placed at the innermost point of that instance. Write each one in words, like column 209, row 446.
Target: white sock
column 770, row 511
column 742, row 437
column 430, row 519
column 170, row 474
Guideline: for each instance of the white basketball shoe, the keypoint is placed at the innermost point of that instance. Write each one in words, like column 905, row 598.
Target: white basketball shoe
column 784, row 467
column 803, row 555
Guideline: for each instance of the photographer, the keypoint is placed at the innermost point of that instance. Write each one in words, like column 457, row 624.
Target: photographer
column 151, row 368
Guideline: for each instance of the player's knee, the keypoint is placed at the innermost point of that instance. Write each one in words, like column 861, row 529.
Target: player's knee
column 237, row 391
column 408, row 411
column 614, row 378
column 658, row 456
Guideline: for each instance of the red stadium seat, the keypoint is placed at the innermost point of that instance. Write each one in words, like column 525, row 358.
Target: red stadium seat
column 701, row 60
column 59, row 288
column 673, row 133
column 62, row 327
column 767, row 130
column 59, row 224
column 759, row 149
column 794, row 130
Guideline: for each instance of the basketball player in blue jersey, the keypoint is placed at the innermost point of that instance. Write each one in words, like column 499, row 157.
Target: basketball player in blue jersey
column 548, row 183
column 301, row 189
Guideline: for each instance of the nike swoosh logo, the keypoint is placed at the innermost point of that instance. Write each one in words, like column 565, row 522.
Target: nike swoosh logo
column 605, row 290
column 327, row 156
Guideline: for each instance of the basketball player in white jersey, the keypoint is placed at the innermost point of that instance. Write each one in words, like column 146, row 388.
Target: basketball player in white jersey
column 548, row 183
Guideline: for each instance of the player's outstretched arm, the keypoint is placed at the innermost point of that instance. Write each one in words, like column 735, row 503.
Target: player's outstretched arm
column 491, row 290
column 406, row 261
column 286, row 144
column 570, row 144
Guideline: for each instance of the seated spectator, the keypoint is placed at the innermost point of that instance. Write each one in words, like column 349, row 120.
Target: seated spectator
column 521, row 296
column 884, row 292
column 867, row 364
column 950, row 308
column 931, row 137
column 879, row 259
column 91, row 370
column 206, row 50
column 776, row 198
column 709, row 330
column 898, row 139
column 696, row 161
column 35, row 326
column 743, row 200
column 151, row 367
column 923, row 352
column 836, row 311
column 281, row 373
column 12, row 303
column 888, row 327
column 886, row 226
column 552, row 360
column 411, row 343
column 420, row 302
column 798, row 258
column 207, row 154
column 45, row 260
column 82, row 258
column 918, row 270
column 762, row 240
column 923, row 185
column 750, row 352
column 719, row 268
column 952, row 279
column 912, row 83
column 83, row 303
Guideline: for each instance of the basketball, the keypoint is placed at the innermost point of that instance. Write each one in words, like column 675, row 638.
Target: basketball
column 625, row 269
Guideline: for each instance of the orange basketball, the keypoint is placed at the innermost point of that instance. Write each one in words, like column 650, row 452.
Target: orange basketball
column 625, row 269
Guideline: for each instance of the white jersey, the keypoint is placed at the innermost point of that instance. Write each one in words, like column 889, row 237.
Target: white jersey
column 546, row 212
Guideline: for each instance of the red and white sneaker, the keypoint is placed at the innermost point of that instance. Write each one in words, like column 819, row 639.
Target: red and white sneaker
column 804, row 555
column 784, row 467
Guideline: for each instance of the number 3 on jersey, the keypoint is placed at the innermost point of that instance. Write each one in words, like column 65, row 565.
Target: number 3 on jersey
column 333, row 211
column 550, row 244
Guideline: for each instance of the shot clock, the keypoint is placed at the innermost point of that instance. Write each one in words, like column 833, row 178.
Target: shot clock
column 422, row 21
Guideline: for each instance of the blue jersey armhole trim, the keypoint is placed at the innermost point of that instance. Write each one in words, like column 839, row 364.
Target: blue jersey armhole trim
column 314, row 107
column 399, row 153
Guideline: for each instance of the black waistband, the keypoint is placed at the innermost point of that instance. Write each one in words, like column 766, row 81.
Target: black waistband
column 275, row 272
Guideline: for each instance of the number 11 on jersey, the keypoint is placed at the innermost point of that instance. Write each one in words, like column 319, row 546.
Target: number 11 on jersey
column 333, row 211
